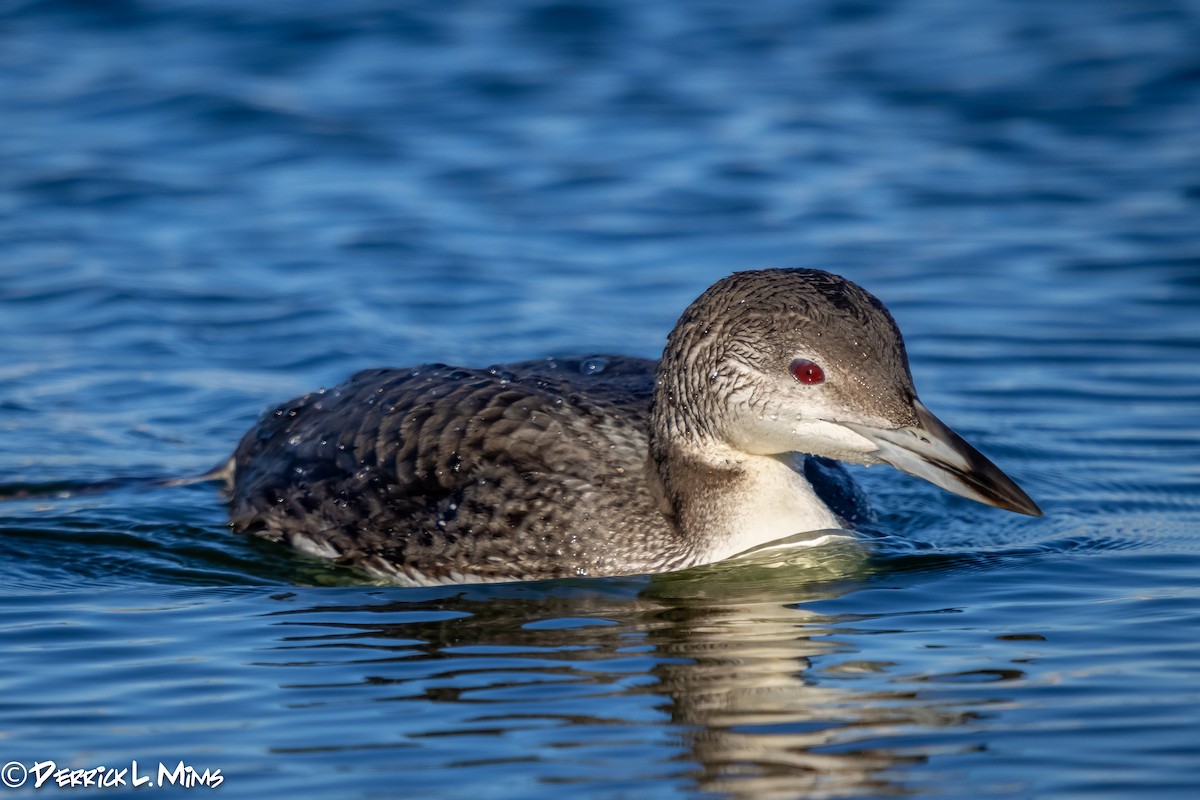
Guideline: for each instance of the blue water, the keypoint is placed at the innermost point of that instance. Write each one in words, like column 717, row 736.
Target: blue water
column 209, row 207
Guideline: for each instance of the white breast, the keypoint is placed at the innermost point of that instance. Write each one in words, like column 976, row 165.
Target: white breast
column 772, row 500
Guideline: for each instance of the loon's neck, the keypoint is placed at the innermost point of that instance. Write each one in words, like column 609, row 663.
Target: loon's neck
column 725, row 503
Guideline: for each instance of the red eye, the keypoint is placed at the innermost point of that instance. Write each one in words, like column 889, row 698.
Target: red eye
column 807, row 372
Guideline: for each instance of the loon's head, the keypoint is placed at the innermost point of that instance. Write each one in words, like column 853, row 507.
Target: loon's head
column 802, row 361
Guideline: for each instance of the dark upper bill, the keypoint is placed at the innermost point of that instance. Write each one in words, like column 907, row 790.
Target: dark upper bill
column 932, row 451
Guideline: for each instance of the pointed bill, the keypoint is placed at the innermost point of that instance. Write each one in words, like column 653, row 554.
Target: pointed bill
column 930, row 450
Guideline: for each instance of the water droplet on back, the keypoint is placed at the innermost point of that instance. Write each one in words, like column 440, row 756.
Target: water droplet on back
column 593, row 366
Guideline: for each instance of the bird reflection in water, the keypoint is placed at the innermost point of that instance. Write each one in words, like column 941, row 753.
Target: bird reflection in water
column 760, row 698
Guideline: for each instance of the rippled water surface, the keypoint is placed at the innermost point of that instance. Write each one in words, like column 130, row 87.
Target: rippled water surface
column 209, row 207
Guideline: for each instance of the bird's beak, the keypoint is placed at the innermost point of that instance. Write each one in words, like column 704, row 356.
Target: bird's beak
column 932, row 451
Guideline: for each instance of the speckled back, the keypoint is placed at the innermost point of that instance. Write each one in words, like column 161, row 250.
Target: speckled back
column 535, row 469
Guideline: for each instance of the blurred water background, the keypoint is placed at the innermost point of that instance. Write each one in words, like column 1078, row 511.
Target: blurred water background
column 209, row 206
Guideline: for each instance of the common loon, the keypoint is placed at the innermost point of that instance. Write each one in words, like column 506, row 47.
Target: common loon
column 609, row 465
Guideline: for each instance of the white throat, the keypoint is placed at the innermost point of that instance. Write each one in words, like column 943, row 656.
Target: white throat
column 770, row 500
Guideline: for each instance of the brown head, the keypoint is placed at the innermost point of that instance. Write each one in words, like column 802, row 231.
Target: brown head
column 802, row 361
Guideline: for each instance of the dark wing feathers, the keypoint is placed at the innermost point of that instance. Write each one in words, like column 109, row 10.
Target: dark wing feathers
column 435, row 466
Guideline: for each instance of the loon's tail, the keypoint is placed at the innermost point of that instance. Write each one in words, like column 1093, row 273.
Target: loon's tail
column 62, row 490
column 222, row 472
